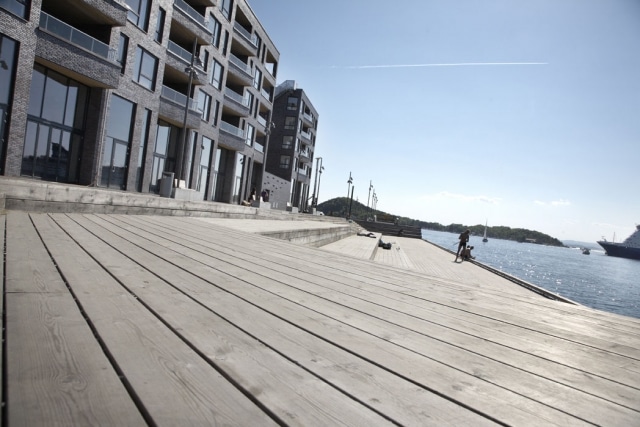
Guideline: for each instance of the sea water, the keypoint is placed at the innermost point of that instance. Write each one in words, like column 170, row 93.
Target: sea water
column 597, row 280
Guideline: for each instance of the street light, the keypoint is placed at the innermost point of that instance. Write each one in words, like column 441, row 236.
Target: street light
column 314, row 199
column 193, row 72
column 369, row 196
column 349, row 181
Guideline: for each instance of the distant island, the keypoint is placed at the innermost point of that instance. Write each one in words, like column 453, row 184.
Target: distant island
column 339, row 207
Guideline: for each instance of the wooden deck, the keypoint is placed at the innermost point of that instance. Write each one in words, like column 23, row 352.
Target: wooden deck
column 171, row 321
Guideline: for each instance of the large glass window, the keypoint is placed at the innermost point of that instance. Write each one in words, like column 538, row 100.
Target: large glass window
column 292, row 103
column 290, row 123
column 257, row 79
column 249, row 135
column 7, row 65
column 55, row 123
column 123, row 48
column 17, row 7
column 142, row 148
column 160, row 25
column 287, row 142
column 139, row 12
column 145, row 69
column 115, row 156
column 285, row 162
column 216, row 75
column 226, row 8
column 205, row 160
column 216, row 30
column 204, row 105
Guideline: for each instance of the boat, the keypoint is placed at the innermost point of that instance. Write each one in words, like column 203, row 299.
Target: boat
column 484, row 237
column 586, row 251
column 629, row 248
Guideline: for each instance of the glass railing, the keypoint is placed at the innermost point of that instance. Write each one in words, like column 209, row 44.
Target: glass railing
column 266, row 95
column 76, row 37
column 178, row 98
column 240, row 64
column 185, row 56
column 262, row 121
column 242, row 100
column 251, row 38
column 306, row 135
column 258, row 147
column 231, row 129
column 309, row 117
column 192, row 13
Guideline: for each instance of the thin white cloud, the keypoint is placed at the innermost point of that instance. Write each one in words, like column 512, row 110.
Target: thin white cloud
column 453, row 64
column 560, row 202
column 465, row 197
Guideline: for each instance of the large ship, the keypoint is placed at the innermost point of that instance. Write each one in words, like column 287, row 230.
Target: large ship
column 630, row 248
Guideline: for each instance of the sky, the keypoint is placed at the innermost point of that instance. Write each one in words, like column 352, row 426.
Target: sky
column 523, row 114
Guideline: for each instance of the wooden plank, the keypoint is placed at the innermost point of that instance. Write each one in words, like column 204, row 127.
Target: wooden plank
column 57, row 373
column 397, row 398
column 452, row 382
column 29, row 267
column 168, row 377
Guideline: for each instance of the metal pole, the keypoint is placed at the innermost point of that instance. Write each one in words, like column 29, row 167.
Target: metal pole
column 270, row 126
column 319, row 179
column 182, row 147
column 351, row 203
column 349, row 182
column 369, row 196
column 315, row 184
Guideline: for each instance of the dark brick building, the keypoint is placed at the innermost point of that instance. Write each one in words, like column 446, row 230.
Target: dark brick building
column 292, row 144
column 101, row 93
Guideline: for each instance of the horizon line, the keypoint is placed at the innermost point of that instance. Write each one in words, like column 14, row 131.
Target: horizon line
column 453, row 64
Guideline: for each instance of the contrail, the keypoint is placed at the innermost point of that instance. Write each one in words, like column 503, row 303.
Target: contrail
column 457, row 64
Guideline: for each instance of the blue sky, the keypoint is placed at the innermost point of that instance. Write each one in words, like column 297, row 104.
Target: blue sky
column 520, row 113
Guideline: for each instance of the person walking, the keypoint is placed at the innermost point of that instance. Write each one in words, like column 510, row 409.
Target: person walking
column 462, row 245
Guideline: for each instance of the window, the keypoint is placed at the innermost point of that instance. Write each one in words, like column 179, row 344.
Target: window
column 123, row 48
column 204, row 105
column 216, row 75
column 249, row 138
column 145, row 69
column 142, row 149
column 216, row 30
column 285, row 162
column 17, row 7
column 8, row 50
column 139, row 12
column 257, row 79
column 225, row 8
column 292, row 103
column 160, row 25
column 287, row 142
column 290, row 123
column 216, row 110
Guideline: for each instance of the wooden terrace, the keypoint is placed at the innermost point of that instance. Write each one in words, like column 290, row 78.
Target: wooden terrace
column 134, row 320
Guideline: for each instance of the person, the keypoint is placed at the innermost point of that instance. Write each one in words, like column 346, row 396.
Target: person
column 462, row 245
column 251, row 199
column 466, row 255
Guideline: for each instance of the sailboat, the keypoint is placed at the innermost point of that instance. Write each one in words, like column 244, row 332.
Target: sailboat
column 484, row 237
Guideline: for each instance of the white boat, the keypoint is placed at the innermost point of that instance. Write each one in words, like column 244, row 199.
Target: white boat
column 484, row 237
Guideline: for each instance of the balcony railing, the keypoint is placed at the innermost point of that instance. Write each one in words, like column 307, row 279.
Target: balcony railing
column 184, row 55
column 262, row 121
column 309, row 117
column 251, row 38
column 178, row 98
column 193, row 14
column 306, row 135
column 78, row 38
column 241, row 65
column 266, row 95
column 242, row 100
column 231, row 129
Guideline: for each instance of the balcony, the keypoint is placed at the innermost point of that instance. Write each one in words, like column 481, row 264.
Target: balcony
column 239, row 104
column 239, row 71
column 188, row 23
column 66, row 32
column 243, row 41
column 266, row 95
column 67, row 49
column 172, row 105
column 308, row 118
column 304, row 156
column 306, row 136
column 231, row 137
column 179, row 59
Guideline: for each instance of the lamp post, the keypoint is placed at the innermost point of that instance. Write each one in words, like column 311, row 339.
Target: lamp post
column 314, row 199
column 319, row 179
column 267, row 132
column 369, row 196
column 193, row 72
column 349, row 181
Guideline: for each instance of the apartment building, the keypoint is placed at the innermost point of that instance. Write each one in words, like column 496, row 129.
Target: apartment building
column 126, row 94
column 291, row 147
